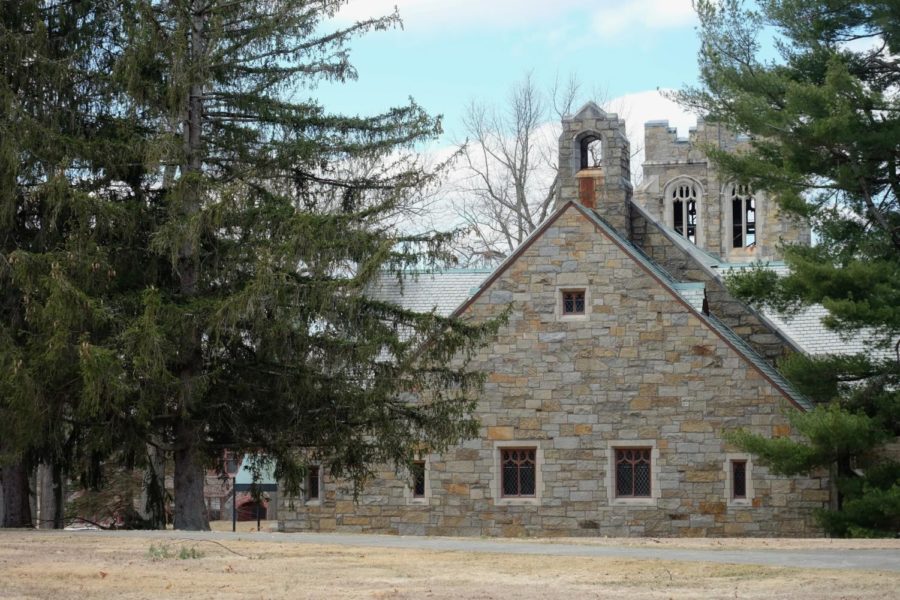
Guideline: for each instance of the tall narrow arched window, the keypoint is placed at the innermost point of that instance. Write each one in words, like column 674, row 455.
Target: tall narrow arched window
column 743, row 216
column 682, row 209
column 591, row 152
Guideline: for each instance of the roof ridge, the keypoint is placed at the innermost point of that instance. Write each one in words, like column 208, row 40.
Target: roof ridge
column 440, row 271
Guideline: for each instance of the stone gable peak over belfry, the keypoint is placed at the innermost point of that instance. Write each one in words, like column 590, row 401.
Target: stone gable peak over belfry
column 590, row 110
column 594, row 164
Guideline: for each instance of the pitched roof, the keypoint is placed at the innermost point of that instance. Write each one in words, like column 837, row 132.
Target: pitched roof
column 803, row 330
column 423, row 291
column 590, row 110
column 729, row 337
column 806, row 330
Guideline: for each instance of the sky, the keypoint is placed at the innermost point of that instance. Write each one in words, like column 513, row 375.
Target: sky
column 451, row 52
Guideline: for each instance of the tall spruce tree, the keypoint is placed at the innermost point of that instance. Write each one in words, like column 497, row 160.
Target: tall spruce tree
column 57, row 219
column 187, row 257
column 271, row 218
column 823, row 106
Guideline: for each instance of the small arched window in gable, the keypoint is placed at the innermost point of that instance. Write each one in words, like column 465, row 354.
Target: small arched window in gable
column 743, row 216
column 591, row 152
column 682, row 206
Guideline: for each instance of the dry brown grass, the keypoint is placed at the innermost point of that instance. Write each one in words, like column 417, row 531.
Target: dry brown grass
column 53, row 565
column 689, row 543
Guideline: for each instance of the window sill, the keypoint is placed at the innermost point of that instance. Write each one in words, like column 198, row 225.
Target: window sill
column 417, row 501
column 742, row 503
column 574, row 317
column 633, row 502
column 517, row 502
column 313, row 503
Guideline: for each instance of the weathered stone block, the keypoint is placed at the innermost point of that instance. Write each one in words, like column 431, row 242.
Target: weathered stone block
column 457, row 489
column 499, row 433
column 701, row 476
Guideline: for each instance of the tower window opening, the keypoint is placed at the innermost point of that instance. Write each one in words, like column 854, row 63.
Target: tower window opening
column 743, row 217
column 591, row 152
column 684, row 211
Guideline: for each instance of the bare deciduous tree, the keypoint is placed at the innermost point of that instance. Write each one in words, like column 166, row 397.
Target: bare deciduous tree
column 509, row 167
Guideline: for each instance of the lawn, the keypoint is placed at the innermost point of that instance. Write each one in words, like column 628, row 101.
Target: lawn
column 78, row 565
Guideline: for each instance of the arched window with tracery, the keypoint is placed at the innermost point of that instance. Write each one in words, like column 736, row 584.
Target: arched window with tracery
column 743, row 216
column 682, row 209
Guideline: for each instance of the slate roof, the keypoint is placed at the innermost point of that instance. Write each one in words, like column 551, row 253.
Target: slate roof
column 424, row 291
column 806, row 330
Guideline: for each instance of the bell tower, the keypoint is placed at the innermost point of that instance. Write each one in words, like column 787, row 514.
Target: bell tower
column 594, row 164
column 687, row 193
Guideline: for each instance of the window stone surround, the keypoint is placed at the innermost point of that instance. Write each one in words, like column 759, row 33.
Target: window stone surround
column 609, row 479
column 497, row 473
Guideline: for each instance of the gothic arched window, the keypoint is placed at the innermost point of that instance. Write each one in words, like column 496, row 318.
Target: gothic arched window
column 682, row 208
column 743, row 216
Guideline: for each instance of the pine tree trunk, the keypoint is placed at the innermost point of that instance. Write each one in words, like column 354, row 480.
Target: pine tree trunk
column 16, row 502
column 153, row 493
column 51, row 507
column 190, row 508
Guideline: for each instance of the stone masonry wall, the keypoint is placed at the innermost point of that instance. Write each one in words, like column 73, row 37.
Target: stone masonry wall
column 638, row 369
column 740, row 318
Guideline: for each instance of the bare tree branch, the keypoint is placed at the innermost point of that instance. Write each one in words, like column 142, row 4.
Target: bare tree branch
column 510, row 165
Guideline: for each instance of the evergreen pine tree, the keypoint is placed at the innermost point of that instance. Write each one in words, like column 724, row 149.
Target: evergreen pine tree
column 824, row 113
column 188, row 246
column 268, row 220
column 58, row 218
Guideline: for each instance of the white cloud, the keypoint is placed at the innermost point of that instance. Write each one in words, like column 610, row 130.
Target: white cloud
column 615, row 17
column 606, row 16
column 420, row 14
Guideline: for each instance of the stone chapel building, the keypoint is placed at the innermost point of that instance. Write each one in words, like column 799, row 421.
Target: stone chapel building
column 624, row 364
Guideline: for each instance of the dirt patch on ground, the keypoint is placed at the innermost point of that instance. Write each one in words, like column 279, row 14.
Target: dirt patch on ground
column 687, row 543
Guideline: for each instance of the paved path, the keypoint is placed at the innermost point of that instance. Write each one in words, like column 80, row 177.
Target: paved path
column 880, row 560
